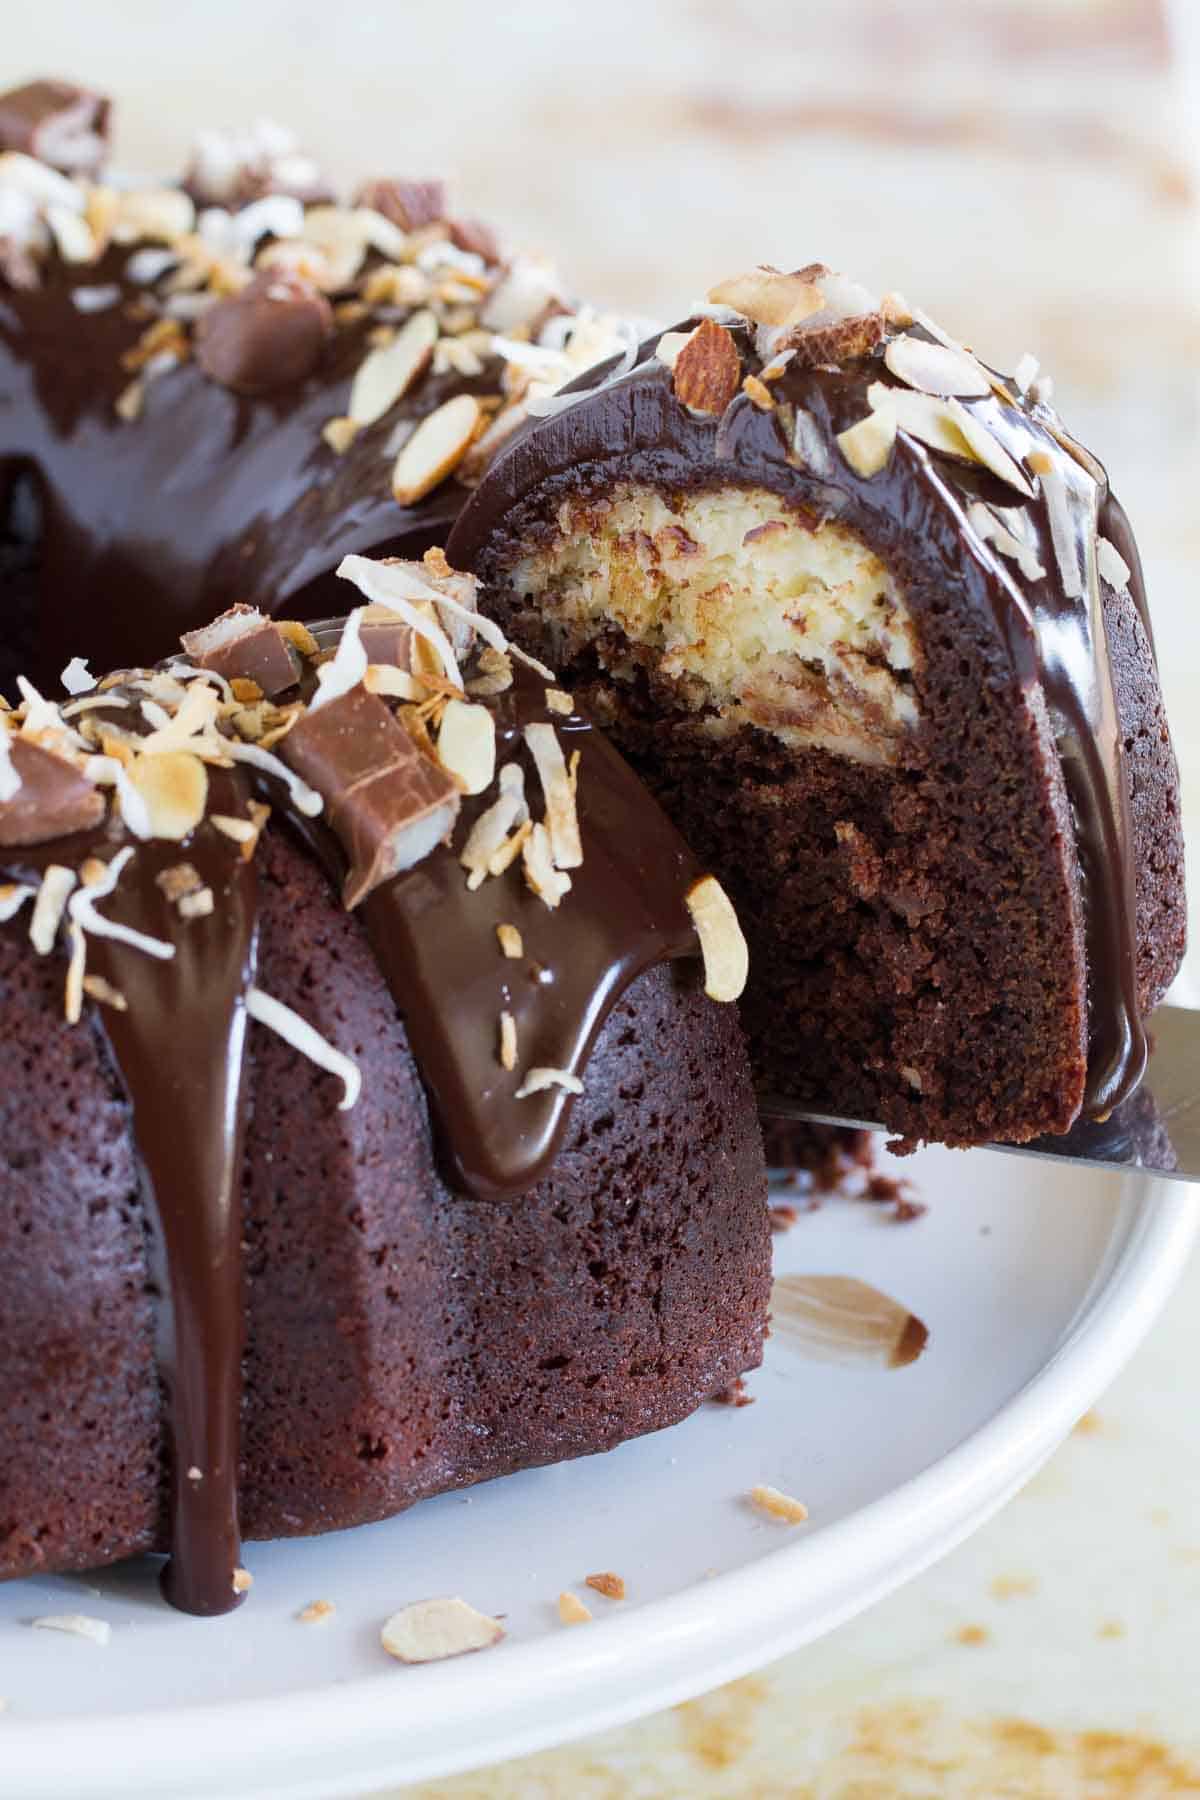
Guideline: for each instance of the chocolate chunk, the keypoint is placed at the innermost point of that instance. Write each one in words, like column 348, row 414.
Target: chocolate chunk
column 479, row 239
column 53, row 800
column 408, row 204
column 385, row 636
column 243, row 642
column 389, row 805
column 64, row 125
column 269, row 336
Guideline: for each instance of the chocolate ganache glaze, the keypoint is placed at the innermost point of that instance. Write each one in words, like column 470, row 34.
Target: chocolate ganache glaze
column 913, row 513
column 180, row 994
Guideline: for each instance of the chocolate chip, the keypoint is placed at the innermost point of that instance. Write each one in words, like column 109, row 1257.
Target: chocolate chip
column 389, row 805
column 53, row 800
column 64, row 125
column 270, row 335
column 408, row 204
column 242, row 642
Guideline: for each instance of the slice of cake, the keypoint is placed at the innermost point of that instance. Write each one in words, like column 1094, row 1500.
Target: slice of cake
column 871, row 624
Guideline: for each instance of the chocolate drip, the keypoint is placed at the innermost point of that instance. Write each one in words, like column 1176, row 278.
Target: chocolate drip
column 911, row 513
column 180, row 1044
column 151, row 527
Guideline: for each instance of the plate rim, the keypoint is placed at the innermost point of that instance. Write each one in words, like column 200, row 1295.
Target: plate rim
column 660, row 1653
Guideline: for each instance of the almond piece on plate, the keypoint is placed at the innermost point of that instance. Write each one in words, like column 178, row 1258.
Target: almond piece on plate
column 435, row 448
column 571, row 1609
column 708, row 370
column 779, row 1505
column 431, row 1630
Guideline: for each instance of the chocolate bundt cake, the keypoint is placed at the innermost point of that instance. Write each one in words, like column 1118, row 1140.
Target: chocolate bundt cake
column 872, row 626
column 214, row 389
column 371, row 1135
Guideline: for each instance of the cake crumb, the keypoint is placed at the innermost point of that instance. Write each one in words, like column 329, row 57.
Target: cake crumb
column 606, row 1583
column 1111, row 1628
column 316, row 1612
column 511, row 942
column 783, row 1215
column 572, row 1611
column 972, row 1636
column 99, row 1631
column 733, row 1394
column 779, row 1505
column 432, row 1630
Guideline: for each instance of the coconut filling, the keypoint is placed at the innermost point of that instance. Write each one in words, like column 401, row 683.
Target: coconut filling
column 759, row 617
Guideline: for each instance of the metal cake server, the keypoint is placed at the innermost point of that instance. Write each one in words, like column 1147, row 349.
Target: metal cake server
column 1157, row 1129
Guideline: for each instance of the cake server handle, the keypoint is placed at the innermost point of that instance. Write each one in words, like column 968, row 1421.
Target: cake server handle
column 1156, row 1129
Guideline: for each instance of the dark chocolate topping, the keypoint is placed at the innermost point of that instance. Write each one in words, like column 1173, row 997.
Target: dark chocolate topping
column 912, row 512
column 152, row 527
column 179, row 1045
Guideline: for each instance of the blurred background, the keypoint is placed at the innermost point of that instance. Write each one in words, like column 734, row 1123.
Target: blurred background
column 1026, row 170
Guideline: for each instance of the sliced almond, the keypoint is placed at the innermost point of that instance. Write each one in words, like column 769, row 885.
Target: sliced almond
column 435, row 448
column 512, row 945
column 726, row 958
column 508, row 1041
column 867, row 446
column 572, row 1611
column 547, row 882
column 316, row 1612
column 466, row 745
column 947, row 426
column 431, row 1630
column 562, row 820
column 779, row 1505
column 708, row 369
column 987, row 449
column 770, row 297
column 935, row 369
column 174, row 787
column 385, row 376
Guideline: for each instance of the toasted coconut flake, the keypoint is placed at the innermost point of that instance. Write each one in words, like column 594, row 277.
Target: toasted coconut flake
column 245, row 832
column 934, row 369
column 97, row 1631
column 13, row 896
column 1111, row 564
column 508, row 1041
column 129, row 402
column 316, row 1612
column 177, row 880
column 510, row 849
column 562, row 821
column 987, row 526
column 571, row 1609
column 670, row 344
column 339, row 433
column 547, row 882
column 348, row 665
column 757, row 391
column 104, row 993
column 610, row 1585
column 779, row 1505
column 302, row 1037
column 432, row 1630
column 868, row 446
column 385, row 375
column 393, row 683
column 495, row 673
column 304, row 798
column 769, row 297
column 435, row 448
column 52, row 895
column 512, row 945
column 77, row 678
column 557, row 701
column 395, row 586
column 82, row 908
column 466, row 745
column 299, row 636
column 174, row 788
column 538, row 1080
column 726, row 958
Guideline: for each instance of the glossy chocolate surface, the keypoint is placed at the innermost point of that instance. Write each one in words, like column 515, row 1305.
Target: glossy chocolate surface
column 179, row 1048
column 912, row 515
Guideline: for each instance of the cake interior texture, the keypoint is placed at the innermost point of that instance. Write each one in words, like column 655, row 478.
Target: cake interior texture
column 837, row 734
